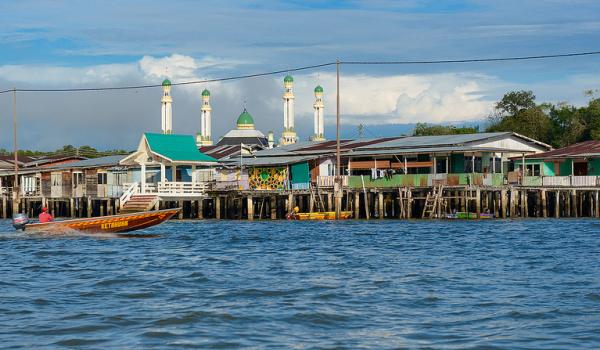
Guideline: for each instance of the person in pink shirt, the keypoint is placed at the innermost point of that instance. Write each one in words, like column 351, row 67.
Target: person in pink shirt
column 44, row 216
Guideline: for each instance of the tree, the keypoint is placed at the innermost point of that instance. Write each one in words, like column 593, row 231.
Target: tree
column 515, row 101
column 532, row 122
column 424, row 129
column 568, row 125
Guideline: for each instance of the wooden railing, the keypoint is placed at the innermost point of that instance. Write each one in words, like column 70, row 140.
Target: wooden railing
column 181, row 188
column 129, row 190
column 571, row 181
column 329, row 181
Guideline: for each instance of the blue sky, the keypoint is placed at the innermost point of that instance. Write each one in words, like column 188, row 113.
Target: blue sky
column 57, row 43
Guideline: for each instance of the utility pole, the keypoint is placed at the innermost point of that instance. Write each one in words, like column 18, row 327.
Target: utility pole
column 16, row 200
column 338, row 179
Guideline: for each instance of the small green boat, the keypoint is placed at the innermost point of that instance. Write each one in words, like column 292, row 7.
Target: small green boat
column 463, row 215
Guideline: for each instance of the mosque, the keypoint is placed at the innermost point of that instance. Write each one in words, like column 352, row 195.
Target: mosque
column 245, row 132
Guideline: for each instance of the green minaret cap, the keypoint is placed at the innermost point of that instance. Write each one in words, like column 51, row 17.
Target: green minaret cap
column 288, row 79
column 166, row 82
column 205, row 92
column 318, row 88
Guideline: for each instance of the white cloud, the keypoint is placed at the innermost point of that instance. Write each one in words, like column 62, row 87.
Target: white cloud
column 400, row 98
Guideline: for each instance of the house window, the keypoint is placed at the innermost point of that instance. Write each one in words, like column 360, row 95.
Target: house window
column 119, row 178
column 440, row 165
column 102, row 179
column 78, row 179
column 532, row 169
column 56, row 179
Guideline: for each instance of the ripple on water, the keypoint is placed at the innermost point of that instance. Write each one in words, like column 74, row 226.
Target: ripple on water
column 234, row 284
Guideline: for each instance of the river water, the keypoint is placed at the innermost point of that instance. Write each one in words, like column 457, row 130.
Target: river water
column 355, row 284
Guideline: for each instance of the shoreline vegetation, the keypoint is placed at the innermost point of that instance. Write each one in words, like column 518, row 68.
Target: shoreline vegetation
column 558, row 125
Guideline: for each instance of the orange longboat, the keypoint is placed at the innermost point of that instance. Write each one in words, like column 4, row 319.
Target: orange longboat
column 105, row 224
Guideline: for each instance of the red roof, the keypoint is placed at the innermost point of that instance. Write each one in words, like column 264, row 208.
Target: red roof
column 583, row 149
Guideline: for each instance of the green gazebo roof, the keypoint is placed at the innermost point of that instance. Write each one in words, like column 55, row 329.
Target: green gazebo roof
column 176, row 148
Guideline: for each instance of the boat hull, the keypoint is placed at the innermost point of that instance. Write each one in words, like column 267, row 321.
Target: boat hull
column 330, row 215
column 106, row 224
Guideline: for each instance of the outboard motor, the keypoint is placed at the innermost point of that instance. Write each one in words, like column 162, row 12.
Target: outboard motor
column 19, row 221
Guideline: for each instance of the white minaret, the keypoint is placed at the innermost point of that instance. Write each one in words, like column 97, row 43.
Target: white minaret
column 166, row 112
column 289, row 130
column 204, row 138
column 319, row 117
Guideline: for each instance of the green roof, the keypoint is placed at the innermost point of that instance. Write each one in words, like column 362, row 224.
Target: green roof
column 288, row 79
column 205, row 92
column 177, row 148
column 166, row 82
column 245, row 118
column 318, row 88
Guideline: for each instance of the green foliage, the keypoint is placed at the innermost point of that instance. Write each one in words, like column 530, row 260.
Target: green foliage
column 515, row 101
column 66, row 151
column 558, row 124
column 424, row 129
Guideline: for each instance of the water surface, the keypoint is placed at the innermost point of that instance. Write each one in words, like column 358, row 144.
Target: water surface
column 356, row 284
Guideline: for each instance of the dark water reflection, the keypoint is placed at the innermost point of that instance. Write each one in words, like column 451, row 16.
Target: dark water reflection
column 391, row 284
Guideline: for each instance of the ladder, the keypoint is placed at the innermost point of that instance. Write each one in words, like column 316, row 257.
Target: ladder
column 316, row 199
column 432, row 202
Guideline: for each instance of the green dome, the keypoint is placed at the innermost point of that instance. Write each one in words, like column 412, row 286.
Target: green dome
column 288, row 79
column 205, row 92
column 318, row 88
column 166, row 82
column 245, row 118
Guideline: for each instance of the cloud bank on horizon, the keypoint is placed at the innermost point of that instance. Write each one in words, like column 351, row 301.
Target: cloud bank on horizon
column 52, row 44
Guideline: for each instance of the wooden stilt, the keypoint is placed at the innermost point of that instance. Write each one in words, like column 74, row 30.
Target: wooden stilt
column 504, row 201
column 200, row 209
column 217, row 201
column 574, row 203
column 409, row 204
column 273, row 202
column 380, row 210
column 367, row 205
column 4, row 209
column 557, row 205
column 357, row 205
column 596, row 205
column 478, row 201
column 544, row 204
column 250, row 203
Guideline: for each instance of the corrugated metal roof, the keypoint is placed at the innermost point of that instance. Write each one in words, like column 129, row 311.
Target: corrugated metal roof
column 91, row 163
column 443, row 149
column 270, row 161
column 582, row 149
column 432, row 141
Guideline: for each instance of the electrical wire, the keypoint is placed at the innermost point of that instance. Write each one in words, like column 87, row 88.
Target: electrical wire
column 475, row 60
column 247, row 76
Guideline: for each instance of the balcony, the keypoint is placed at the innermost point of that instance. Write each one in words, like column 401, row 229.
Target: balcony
column 426, row 180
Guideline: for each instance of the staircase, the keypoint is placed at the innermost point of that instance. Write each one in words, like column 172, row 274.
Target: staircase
column 139, row 203
column 432, row 202
column 317, row 199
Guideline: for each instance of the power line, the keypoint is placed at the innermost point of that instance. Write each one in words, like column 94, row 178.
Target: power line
column 204, row 81
column 247, row 76
column 475, row 60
